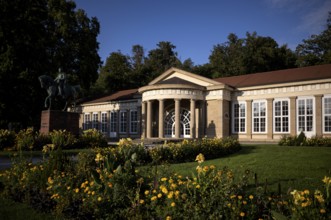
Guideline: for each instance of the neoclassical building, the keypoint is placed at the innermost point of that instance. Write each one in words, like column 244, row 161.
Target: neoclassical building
column 253, row 107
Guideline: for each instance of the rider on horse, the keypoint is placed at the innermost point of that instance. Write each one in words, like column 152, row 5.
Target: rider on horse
column 61, row 80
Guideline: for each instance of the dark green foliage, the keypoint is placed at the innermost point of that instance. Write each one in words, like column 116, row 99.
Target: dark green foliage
column 7, row 139
column 37, row 37
column 91, row 138
column 302, row 140
column 317, row 49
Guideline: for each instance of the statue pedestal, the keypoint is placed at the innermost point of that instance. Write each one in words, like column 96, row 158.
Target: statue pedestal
column 59, row 120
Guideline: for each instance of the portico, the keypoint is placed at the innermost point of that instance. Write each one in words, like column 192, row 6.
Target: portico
column 173, row 105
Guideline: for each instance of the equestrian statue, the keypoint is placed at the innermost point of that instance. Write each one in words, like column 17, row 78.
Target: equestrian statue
column 59, row 87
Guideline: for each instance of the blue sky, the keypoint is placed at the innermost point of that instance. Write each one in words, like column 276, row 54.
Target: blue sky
column 195, row 26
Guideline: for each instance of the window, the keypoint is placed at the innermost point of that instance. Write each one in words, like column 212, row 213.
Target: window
column 123, row 121
column 113, row 122
column 87, row 122
column 104, row 122
column 305, row 111
column 281, row 116
column 134, row 121
column 259, row 116
column 95, row 121
column 327, row 114
column 239, row 118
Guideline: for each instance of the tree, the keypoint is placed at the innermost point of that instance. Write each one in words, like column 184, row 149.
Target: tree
column 317, row 49
column 227, row 58
column 37, row 37
column 161, row 59
column 249, row 55
column 115, row 74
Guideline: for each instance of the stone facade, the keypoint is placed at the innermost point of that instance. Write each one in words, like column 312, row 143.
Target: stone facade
column 179, row 104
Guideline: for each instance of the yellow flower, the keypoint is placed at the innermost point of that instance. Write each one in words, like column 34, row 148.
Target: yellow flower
column 200, row 158
column 322, row 211
column 153, row 198
column 168, row 218
column 244, row 202
column 229, row 205
column 159, row 195
column 163, row 179
column 99, row 158
column 306, row 192
column 141, row 201
column 327, row 180
column 76, row 190
column 99, row 199
column 146, row 192
column 170, row 195
column 242, row 214
column 50, row 180
column 205, row 168
column 197, row 186
column 173, row 204
column 240, row 197
column 164, row 190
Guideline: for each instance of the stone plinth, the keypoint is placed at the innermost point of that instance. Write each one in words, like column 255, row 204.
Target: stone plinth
column 59, row 120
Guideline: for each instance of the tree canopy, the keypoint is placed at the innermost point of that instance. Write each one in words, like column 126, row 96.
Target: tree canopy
column 316, row 49
column 37, row 37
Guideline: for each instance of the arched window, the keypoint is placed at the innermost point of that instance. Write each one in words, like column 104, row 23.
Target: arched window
column 169, row 123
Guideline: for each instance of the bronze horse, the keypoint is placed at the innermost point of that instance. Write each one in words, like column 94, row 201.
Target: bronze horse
column 70, row 92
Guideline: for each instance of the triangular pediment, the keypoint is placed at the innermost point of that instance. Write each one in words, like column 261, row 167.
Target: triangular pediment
column 178, row 76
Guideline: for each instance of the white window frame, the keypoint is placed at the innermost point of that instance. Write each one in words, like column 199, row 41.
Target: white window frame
column 134, row 121
column 239, row 117
column 324, row 112
column 113, row 123
column 259, row 117
column 123, row 123
column 95, row 120
column 87, row 121
column 305, row 115
column 282, row 116
column 104, row 122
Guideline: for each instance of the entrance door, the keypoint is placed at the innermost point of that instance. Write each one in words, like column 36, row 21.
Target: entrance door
column 169, row 124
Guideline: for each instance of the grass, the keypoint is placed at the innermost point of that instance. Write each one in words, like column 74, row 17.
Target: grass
column 10, row 210
column 292, row 167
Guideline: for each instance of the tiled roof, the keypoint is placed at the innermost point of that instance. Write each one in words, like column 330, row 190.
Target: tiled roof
column 279, row 76
column 120, row 95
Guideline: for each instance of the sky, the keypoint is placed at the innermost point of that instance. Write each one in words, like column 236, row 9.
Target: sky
column 196, row 26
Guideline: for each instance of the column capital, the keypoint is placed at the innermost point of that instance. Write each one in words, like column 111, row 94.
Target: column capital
column 318, row 96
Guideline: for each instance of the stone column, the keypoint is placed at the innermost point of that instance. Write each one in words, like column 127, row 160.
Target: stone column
column 177, row 118
column 143, row 120
column 161, row 118
column 149, row 119
column 192, row 118
column 249, row 118
column 293, row 115
column 270, row 119
column 319, row 113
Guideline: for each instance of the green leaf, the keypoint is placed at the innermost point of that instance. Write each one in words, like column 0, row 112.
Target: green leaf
column 278, row 216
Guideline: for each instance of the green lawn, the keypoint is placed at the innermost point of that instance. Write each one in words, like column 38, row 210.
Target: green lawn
column 292, row 167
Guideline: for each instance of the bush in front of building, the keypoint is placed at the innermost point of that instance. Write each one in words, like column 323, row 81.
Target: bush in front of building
column 302, row 140
column 25, row 139
column 187, row 150
column 91, row 138
column 7, row 139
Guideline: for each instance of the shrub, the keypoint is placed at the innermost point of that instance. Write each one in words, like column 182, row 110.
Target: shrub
column 41, row 140
column 92, row 138
column 25, row 139
column 7, row 139
column 301, row 140
column 186, row 150
column 62, row 139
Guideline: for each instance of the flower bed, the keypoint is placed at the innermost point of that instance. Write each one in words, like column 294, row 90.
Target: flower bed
column 110, row 183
